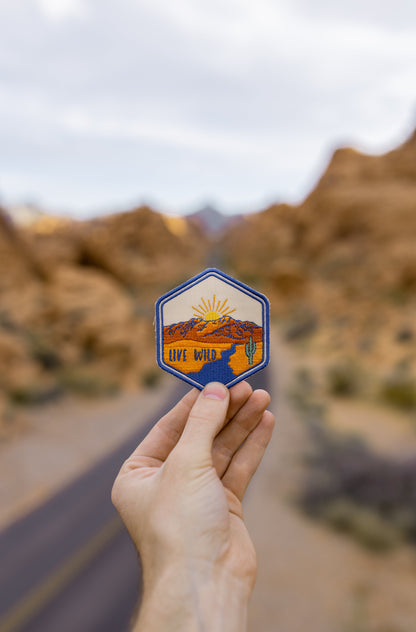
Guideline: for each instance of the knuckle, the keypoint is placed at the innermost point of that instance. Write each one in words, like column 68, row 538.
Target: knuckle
column 224, row 451
column 201, row 416
column 244, row 470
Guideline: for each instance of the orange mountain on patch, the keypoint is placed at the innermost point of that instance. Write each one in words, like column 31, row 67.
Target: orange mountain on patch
column 225, row 329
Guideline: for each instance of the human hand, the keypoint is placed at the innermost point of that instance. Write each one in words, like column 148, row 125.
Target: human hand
column 180, row 495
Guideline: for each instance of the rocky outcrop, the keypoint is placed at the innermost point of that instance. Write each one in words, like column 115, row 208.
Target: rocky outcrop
column 357, row 229
column 348, row 251
column 77, row 299
column 18, row 261
column 136, row 248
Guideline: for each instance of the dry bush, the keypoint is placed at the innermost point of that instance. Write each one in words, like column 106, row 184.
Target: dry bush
column 344, row 379
column 355, row 490
column 399, row 389
column 87, row 383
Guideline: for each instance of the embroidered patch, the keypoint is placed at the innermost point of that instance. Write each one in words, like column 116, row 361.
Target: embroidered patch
column 212, row 329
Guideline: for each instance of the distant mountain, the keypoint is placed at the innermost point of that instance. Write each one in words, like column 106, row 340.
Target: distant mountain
column 222, row 330
column 212, row 222
column 25, row 214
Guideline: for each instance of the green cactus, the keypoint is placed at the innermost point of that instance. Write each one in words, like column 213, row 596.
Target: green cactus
column 250, row 349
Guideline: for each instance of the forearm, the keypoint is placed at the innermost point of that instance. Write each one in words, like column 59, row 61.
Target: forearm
column 193, row 599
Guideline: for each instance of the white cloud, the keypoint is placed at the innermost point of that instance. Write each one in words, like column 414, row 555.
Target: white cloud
column 231, row 99
column 57, row 10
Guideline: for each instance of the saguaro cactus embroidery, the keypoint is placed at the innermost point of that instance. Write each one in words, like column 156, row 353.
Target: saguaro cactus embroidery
column 250, row 350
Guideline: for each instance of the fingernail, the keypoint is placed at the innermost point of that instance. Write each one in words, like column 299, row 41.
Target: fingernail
column 215, row 390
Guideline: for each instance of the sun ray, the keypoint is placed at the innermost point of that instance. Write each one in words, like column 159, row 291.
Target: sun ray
column 212, row 309
column 222, row 306
column 198, row 310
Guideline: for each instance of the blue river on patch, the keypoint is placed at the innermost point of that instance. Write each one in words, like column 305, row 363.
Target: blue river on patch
column 217, row 371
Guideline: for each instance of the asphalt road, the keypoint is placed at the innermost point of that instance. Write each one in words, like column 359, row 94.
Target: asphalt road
column 70, row 566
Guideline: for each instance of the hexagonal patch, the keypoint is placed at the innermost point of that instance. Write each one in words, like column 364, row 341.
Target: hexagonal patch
column 212, row 329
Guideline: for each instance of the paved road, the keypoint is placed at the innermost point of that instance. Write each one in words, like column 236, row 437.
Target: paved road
column 70, row 566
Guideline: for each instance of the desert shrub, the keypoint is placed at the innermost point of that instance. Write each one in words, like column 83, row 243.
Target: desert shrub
column 32, row 394
column 399, row 389
column 369, row 496
column 151, row 377
column 304, row 393
column 398, row 296
column 405, row 335
column 365, row 525
column 343, row 379
column 303, row 323
column 43, row 352
column 87, row 383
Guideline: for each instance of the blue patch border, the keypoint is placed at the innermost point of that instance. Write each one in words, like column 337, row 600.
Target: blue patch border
column 234, row 283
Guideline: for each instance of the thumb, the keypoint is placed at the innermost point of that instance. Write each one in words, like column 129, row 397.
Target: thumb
column 206, row 418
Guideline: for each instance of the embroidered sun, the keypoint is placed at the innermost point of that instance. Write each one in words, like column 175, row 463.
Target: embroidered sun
column 212, row 310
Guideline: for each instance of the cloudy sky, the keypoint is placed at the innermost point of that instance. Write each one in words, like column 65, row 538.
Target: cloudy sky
column 106, row 103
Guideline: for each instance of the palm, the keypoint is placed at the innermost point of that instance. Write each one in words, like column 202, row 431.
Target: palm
column 210, row 507
column 196, row 495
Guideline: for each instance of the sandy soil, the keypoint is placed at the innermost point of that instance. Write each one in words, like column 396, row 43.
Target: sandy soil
column 387, row 431
column 309, row 577
column 62, row 439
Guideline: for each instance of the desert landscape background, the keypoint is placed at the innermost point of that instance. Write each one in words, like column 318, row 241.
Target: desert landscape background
column 333, row 508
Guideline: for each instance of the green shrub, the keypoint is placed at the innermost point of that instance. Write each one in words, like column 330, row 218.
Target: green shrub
column 42, row 351
column 86, row 383
column 34, row 394
column 358, row 491
column 343, row 379
column 405, row 335
column 305, row 395
column 303, row 323
column 399, row 390
column 151, row 378
column 363, row 523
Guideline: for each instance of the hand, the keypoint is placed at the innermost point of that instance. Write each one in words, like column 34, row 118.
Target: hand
column 180, row 495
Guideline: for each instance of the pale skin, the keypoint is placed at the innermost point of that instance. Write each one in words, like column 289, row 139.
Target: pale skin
column 179, row 495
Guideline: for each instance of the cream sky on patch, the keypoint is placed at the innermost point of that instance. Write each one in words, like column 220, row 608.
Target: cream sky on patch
column 180, row 308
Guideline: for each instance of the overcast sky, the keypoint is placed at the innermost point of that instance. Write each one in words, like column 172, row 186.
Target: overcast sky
column 106, row 103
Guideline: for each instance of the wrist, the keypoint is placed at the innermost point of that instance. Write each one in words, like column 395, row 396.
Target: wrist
column 193, row 596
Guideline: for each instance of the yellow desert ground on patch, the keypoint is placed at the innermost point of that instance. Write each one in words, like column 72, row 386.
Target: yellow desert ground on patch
column 239, row 361
column 190, row 356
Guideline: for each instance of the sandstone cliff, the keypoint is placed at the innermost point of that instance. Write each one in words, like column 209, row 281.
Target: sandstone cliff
column 77, row 299
column 347, row 254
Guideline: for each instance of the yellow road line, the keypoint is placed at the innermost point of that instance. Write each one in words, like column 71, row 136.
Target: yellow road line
column 42, row 594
